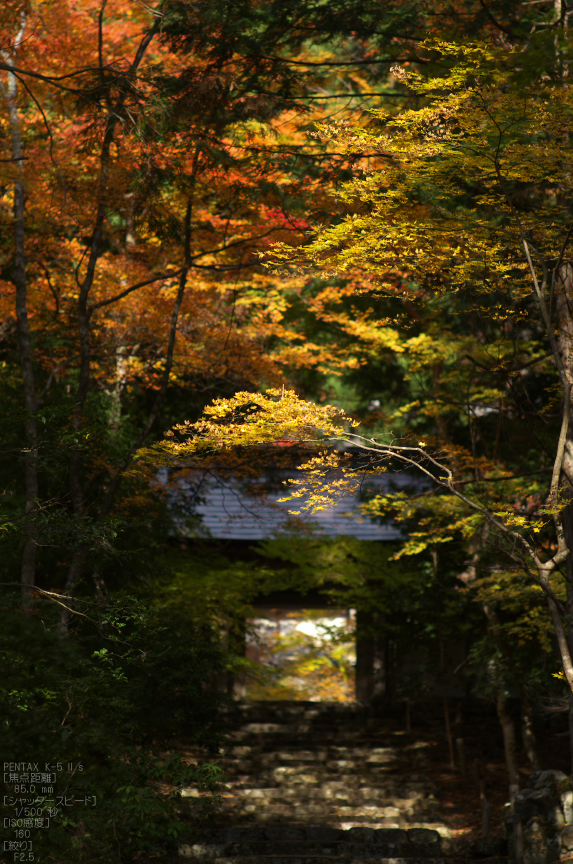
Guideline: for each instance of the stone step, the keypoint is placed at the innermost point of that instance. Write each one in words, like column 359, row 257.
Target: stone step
column 348, row 712
column 185, row 851
column 333, row 820
column 314, row 833
column 288, row 766
column 330, row 729
column 284, row 775
column 269, row 764
column 390, row 825
column 318, row 738
column 373, row 835
column 313, row 789
column 370, row 760
column 321, row 752
column 341, row 808
column 265, row 762
column 298, row 763
column 273, row 775
column 322, row 738
column 378, row 798
column 280, row 775
column 329, row 814
column 331, row 724
column 332, row 735
column 404, row 849
column 318, row 792
column 358, row 749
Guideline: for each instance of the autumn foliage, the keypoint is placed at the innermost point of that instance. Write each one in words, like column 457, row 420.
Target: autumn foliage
column 335, row 235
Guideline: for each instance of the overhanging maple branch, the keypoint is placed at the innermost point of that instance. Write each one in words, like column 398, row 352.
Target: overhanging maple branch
column 415, row 456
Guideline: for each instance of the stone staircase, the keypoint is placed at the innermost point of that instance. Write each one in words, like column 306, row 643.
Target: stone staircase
column 307, row 783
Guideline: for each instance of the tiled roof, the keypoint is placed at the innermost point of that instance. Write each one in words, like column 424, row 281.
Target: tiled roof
column 223, row 508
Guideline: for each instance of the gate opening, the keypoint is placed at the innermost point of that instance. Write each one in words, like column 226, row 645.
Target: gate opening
column 302, row 655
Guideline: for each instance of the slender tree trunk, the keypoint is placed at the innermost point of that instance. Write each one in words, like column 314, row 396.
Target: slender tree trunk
column 509, row 742
column 509, row 745
column 19, row 278
column 75, row 465
column 447, row 723
column 29, row 555
column 237, row 645
column 460, row 744
column 121, row 359
column 485, row 805
column 505, row 719
column 568, row 528
column 74, row 574
column 365, row 655
column 527, row 730
column 389, row 671
column 449, row 736
column 564, row 313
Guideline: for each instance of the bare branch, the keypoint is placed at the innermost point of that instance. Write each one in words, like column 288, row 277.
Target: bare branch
column 169, row 275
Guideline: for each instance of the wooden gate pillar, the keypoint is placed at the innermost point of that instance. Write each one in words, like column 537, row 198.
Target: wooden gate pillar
column 371, row 673
column 237, row 644
column 365, row 656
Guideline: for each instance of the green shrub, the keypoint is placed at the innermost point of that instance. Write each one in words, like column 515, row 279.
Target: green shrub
column 116, row 696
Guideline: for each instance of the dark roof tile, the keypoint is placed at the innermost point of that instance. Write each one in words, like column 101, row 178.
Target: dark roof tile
column 225, row 510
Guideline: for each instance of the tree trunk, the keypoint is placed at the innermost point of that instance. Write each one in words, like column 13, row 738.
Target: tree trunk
column 527, row 731
column 460, row 744
column 485, row 805
column 365, row 653
column 449, row 736
column 237, row 645
column 121, row 364
column 19, row 279
column 508, row 728
column 564, row 314
column 504, row 717
column 509, row 744
column 447, row 723
column 74, row 574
